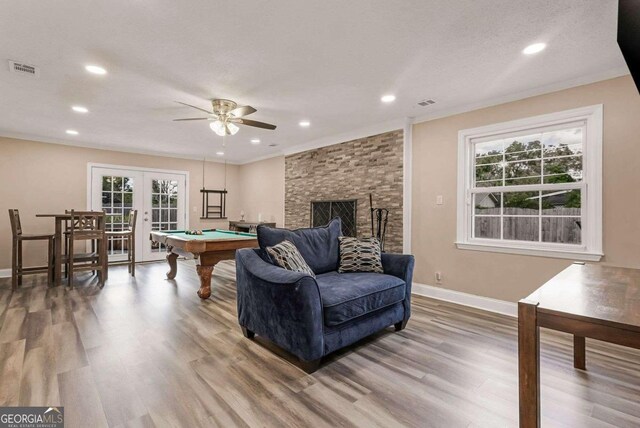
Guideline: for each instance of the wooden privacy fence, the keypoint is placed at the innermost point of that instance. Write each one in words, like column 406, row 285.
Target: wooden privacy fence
column 559, row 225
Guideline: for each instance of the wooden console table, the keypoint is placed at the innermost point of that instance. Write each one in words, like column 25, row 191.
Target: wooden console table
column 594, row 301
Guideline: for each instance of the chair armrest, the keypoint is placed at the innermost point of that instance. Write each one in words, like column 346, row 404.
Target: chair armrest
column 266, row 272
column 398, row 265
column 279, row 304
column 401, row 266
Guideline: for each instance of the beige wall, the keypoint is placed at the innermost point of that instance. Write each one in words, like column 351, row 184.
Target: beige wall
column 42, row 178
column 512, row 277
column 262, row 185
column 31, row 179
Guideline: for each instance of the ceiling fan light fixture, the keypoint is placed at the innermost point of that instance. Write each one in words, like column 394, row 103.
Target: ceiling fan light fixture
column 218, row 127
column 232, row 128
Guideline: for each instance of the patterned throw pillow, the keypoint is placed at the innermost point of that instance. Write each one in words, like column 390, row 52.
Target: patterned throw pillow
column 287, row 256
column 360, row 255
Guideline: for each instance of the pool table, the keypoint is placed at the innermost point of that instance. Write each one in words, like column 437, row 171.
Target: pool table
column 208, row 249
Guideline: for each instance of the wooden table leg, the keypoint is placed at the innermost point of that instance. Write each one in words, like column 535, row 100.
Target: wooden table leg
column 204, row 272
column 58, row 252
column 173, row 264
column 579, row 353
column 529, row 364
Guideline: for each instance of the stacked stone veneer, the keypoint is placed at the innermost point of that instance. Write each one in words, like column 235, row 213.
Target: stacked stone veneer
column 349, row 170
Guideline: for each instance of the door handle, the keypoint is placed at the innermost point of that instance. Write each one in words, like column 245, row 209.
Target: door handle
column 146, row 219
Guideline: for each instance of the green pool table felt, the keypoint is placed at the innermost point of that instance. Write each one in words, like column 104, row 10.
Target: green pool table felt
column 207, row 235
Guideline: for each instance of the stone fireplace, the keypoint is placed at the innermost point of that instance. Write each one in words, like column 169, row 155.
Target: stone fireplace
column 325, row 182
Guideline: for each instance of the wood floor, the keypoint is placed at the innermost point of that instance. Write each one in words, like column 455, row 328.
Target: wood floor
column 146, row 352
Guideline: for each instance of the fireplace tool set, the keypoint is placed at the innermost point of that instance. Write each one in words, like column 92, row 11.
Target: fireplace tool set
column 379, row 218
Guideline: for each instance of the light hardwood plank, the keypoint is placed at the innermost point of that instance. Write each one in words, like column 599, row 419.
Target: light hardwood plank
column 146, row 352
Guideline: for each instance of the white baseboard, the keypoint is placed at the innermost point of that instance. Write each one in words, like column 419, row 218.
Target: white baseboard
column 465, row 299
column 5, row 273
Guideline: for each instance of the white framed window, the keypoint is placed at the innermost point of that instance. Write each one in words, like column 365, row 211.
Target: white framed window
column 533, row 186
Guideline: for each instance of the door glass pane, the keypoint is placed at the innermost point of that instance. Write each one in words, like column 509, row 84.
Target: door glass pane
column 117, row 184
column 162, row 215
column 117, row 216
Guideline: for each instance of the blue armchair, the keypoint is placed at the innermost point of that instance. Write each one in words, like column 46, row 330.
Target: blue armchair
column 312, row 317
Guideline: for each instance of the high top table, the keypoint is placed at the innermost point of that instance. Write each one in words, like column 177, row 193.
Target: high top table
column 595, row 301
column 59, row 220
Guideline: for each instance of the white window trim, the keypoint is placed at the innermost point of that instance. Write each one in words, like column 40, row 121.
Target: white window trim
column 591, row 248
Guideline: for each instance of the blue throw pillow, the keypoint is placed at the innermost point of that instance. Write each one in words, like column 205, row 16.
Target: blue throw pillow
column 319, row 246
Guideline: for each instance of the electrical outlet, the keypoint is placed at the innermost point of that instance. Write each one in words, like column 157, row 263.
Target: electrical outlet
column 439, row 200
column 195, row 209
column 438, row 277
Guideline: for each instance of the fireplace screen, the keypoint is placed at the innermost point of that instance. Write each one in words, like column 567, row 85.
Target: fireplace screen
column 323, row 211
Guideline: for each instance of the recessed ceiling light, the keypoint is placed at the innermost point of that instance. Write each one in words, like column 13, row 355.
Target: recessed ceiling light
column 255, row 141
column 534, row 48
column 388, row 98
column 304, row 123
column 95, row 69
column 80, row 109
column 220, row 153
column 72, row 132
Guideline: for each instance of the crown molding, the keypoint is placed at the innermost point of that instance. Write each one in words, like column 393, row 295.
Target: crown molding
column 517, row 96
column 87, row 145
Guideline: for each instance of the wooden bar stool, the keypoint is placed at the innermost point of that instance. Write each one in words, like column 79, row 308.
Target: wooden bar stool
column 87, row 226
column 17, row 270
column 130, row 235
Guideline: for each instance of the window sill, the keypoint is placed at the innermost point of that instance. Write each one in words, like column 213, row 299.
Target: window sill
column 538, row 252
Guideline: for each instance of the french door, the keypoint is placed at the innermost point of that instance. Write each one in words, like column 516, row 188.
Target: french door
column 159, row 196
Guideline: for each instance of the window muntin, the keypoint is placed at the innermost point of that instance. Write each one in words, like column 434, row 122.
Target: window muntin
column 536, row 160
column 533, row 186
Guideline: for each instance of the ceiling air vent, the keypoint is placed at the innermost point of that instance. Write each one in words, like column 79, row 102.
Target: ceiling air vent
column 24, row 69
column 425, row 103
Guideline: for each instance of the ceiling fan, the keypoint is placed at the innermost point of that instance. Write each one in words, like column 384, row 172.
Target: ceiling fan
column 226, row 115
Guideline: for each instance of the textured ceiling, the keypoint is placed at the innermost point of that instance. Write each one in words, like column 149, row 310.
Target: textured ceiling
column 327, row 61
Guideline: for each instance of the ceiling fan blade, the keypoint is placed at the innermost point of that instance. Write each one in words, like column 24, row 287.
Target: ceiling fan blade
column 198, row 108
column 242, row 111
column 255, row 123
column 191, row 118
